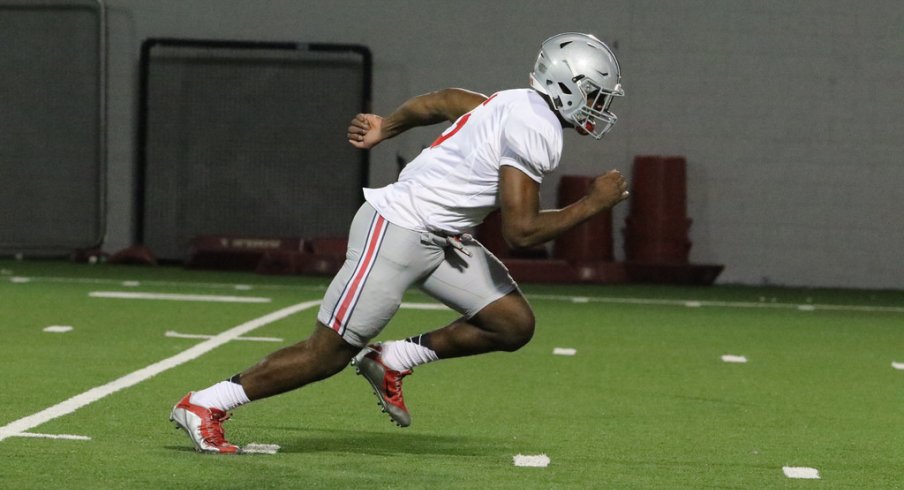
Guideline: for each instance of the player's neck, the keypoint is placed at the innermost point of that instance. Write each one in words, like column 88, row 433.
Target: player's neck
column 565, row 124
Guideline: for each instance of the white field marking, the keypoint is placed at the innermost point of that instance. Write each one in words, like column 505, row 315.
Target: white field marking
column 722, row 304
column 564, row 351
column 551, row 297
column 801, row 472
column 209, row 285
column 533, row 460
column 131, row 284
column 732, row 358
column 170, row 333
column 78, row 401
column 19, row 279
column 178, row 297
column 5, row 272
column 58, row 329
column 243, row 287
column 693, row 304
column 806, row 307
column 424, row 306
column 898, row 365
column 53, row 436
column 255, row 448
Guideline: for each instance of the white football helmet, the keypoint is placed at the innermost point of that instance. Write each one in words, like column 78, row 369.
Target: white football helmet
column 580, row 75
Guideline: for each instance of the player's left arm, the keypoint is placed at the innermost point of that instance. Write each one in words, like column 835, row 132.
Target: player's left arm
column 367, row 130
column 524, row 224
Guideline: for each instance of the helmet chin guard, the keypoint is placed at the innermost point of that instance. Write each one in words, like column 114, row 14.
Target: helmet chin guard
column 580, row 74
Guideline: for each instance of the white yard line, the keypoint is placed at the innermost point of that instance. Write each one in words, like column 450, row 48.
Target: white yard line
column 185, row 284
column 21, row 426
column 722, row 304
column 70, row 437
column 424, row 306
column 573, row 299
column 178, row 335
column 178, row 297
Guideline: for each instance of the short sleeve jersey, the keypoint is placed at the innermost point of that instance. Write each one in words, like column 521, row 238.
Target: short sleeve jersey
column 454, row 184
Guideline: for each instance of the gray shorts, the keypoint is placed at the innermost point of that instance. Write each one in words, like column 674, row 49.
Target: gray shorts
column 384, row 260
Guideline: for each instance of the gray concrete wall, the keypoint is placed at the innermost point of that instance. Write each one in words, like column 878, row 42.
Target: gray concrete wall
column 790, row 114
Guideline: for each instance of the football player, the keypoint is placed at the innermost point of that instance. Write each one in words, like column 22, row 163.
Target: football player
column 414, row 233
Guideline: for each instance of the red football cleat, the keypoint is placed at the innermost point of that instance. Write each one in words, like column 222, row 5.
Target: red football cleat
column 203, row 426
column 386, row 382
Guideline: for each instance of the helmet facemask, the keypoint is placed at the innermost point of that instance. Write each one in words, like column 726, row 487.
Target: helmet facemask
column 594, row 116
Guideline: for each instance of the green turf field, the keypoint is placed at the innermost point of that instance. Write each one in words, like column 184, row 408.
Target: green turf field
column 645, row 402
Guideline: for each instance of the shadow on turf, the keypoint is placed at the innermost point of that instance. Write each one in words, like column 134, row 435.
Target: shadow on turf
column 381, row 443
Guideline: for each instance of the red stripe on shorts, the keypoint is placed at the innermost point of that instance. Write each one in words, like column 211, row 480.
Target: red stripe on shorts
column 357, row 283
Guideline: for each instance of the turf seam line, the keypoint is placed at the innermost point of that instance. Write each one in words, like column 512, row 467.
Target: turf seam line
column 78, row 401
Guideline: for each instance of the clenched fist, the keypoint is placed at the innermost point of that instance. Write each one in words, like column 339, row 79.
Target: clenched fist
column 365, row 131
column 608, row 189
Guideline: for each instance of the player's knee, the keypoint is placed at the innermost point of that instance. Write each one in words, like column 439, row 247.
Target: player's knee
column 510, row 322
column 519, row 331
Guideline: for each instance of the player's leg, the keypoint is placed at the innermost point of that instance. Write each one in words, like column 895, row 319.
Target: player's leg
column 320, row 356
column 201, row 414
column 506, row 324
column 360, row 301
column 362, row 298
column 496, row 318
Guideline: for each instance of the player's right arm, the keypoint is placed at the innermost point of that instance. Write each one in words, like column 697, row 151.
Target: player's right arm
column 367, row 130
column 525, row 225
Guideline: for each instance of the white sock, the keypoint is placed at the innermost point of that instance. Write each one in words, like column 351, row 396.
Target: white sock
column 224, row 395
column 402, row 355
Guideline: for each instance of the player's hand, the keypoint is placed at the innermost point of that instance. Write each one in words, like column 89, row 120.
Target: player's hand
column 608, row 189
column 364, row 131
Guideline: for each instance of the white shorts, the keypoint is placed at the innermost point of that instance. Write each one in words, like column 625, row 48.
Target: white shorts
column 383, row 260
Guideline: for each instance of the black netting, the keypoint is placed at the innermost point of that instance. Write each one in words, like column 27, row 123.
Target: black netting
column 51, row 169
column 249, row 141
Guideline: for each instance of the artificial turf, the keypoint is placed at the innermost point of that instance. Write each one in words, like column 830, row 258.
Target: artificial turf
column 645, row 402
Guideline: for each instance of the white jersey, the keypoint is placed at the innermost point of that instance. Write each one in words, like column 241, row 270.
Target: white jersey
column 453, row 185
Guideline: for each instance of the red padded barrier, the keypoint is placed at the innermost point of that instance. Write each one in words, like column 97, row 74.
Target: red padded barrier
column 657, row 227
column 236, row 252
column 591, row 240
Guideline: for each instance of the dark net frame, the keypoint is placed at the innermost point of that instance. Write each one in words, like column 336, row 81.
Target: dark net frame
column 247, row 138
column 52, row 126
